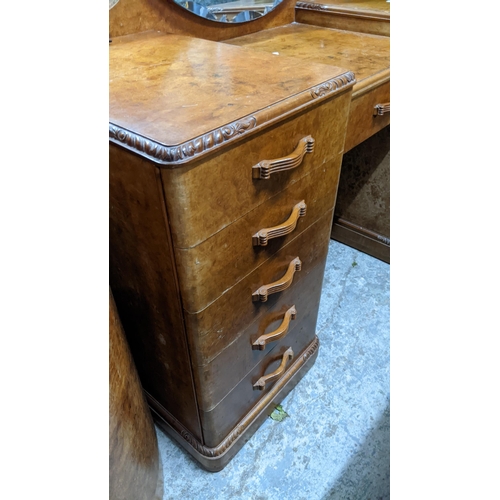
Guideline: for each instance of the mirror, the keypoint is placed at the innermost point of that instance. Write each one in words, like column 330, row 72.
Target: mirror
column 229, row 11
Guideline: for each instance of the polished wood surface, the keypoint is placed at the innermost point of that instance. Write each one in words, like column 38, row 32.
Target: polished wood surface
column 190, row 119
column 202, row 217
column 220, row 323
column 135, row 16
column 368, row 56
column 363, row 16
column 216, row 458
column 365, row 55
column 363, row 122
column 238, row 357
column 234, row 353
column 381, row 6
column 223, row 418
column 135, row 471
column 204, row 270
column 177, row 74
column 142, row 276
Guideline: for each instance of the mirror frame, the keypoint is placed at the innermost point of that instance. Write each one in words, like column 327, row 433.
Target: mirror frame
column 128, row 17
column 234, row 13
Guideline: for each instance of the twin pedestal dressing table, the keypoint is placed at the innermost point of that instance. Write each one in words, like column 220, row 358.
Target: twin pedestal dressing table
column 225, row 160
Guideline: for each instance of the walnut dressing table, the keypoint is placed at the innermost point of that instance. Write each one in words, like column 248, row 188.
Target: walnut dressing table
column 362, row 210
column 224, row 167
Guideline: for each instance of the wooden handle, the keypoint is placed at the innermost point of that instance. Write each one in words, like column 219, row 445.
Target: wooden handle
column 261, row 294
column 261, row 383
column 265, row 168
column 382, row 109
column 277, row 334
column 264, row 235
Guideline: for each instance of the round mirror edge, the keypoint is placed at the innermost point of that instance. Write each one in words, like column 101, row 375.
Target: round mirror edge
column 229, row 12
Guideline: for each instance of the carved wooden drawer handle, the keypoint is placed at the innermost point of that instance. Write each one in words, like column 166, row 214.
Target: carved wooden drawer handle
column 265, row 168
column 382, row 109
column 262, row 293
column 277, row 334
column 261, row 383
column 264, row 235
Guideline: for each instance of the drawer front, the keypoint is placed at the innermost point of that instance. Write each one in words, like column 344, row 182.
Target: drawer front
column 219, row 262
column 241, row 356
column 206, row 196
column 363, row 123
column 217, row 326
column 377, row 24
column 218, row 422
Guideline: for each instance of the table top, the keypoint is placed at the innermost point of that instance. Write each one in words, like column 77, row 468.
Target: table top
column 367, row 56
column 171, row 89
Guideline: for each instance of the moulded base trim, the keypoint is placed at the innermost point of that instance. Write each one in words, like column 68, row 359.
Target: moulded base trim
column 361, row 239
column 215, row 459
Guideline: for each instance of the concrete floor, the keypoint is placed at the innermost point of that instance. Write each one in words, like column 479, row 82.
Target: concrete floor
column 335, row 443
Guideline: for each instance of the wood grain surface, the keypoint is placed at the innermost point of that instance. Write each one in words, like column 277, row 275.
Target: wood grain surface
column 135, row 16
column 375, row 6
column 216, row 458
column 212, row 267
column 175, row 89
column 238, row 357
column 227, row 177
column 368, row 56
column 220, row 420
column 134, row 462
column 362, row 122
column 363, row 16
column 189, row 120
column 219, row 324
column 143, row 279
column 365, row 55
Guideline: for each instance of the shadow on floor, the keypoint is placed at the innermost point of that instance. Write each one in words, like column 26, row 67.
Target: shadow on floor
column 367, row 475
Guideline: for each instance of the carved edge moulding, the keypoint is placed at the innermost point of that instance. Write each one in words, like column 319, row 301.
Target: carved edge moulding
column 344, row 11
column 215, row 459
column 172, row 156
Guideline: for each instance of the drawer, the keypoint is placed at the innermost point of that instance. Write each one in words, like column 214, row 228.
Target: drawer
column 218, row 325
column 219, row 421
column 208, row 195
column 239, row 358
column 362, row 17
column 363, row 123
column 225, row 258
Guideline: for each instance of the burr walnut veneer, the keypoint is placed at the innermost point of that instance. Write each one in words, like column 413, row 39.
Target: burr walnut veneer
column 224, row 167
column 367, row 56
column 362, row 212
column 363, row 16
column 135, row 470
